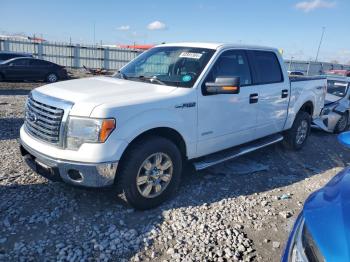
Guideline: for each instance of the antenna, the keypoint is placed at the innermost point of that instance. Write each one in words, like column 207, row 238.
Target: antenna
column 319, row 46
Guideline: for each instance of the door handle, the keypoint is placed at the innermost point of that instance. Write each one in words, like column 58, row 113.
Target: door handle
column 284, row 93
column 253, row 98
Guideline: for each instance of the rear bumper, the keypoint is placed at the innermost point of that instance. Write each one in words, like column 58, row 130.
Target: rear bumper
column 75, row 173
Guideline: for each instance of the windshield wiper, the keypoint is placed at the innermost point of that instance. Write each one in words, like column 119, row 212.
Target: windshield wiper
column 151, row 79
column 122, row 75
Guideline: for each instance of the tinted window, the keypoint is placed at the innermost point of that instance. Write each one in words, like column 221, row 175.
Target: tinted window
column 267, row 67
column 231, row 63
column 39, row 63
column 20, row 62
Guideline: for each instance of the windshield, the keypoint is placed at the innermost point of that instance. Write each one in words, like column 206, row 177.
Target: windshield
column 337, row 88
column 174, row 66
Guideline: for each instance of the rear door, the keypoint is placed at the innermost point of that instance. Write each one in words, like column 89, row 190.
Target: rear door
column 273, row 92
column 39, row 69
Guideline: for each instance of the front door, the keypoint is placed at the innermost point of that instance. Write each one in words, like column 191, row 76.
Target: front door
column 17, row 70
column 226, row 120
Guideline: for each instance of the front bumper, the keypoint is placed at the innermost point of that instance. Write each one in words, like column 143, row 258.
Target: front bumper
column 76, row 173
column 292, row 239
column 327, row 122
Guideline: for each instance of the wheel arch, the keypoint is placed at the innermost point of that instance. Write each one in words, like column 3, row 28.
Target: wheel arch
column 165, row 132
column 307, row 107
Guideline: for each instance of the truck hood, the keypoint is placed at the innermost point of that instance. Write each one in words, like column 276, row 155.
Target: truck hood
column 88, row 93
column 327, row 213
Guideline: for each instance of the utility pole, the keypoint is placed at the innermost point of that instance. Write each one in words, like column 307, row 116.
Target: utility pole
column 94, row 33
column 319, row 45
column 290, row 63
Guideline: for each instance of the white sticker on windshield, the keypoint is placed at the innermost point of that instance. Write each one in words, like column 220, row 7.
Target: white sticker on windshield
column 191, row 55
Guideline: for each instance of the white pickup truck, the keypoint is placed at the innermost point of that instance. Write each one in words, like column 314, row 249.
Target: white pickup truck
column 197, row 102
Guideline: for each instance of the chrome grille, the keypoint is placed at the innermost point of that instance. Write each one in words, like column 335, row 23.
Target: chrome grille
column 43, row 121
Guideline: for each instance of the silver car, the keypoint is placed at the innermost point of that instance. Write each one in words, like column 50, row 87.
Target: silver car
column 334, row 116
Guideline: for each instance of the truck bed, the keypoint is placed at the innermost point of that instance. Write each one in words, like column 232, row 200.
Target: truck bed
column 305, row 78
column 302, row 85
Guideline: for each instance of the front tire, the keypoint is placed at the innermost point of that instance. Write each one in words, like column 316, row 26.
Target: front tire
column 296, row 137
column 150, row 172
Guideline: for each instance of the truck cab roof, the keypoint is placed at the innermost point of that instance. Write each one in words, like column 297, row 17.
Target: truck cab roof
column 217, row 46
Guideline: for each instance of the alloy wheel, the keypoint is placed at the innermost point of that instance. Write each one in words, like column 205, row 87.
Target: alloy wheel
column 154, row 175
column 302, row 132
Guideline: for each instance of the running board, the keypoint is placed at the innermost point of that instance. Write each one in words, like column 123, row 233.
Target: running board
column 228, row 154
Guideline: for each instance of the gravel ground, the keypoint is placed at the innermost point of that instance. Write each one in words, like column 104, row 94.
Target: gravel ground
column 240, row 210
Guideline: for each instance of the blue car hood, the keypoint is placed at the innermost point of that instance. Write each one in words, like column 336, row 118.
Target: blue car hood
column 327, row 216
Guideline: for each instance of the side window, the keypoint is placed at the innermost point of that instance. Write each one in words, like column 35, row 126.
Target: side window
column 232, row 63
column 39, row 63
column 267, row 68
column 20, row 62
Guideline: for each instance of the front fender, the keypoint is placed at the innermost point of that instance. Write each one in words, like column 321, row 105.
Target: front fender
column 182, row 121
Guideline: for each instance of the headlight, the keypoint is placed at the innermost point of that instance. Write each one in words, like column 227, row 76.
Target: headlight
column 328, row 109
column 304, row 248
column 87, row 130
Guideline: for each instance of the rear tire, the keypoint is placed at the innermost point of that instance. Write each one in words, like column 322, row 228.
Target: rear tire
column 52, row 78
column 342, row 124
column 150, row 172
column 296, row 137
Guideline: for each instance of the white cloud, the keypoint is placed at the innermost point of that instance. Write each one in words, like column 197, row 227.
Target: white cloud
column 156, row 25
column 308, row 6
column 123, row 28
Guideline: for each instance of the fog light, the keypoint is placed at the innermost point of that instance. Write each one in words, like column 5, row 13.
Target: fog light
column 75, row 175
column 107, row 170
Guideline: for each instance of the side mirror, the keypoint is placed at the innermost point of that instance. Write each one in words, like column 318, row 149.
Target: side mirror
column 223, row 85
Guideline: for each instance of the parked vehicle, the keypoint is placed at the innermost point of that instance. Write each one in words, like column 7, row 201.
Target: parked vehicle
column 320, row 232
column 341, row 72
column 31, row 69
column 296, row 73
column 204, row 103
column 335, row 114
column 9, row 55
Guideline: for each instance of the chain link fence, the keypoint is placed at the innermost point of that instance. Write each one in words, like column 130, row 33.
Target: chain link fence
column 92, row 56
column 73, row 55
column 313, row 68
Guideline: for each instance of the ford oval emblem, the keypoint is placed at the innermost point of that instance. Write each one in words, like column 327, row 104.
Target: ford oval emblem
column 32, row 117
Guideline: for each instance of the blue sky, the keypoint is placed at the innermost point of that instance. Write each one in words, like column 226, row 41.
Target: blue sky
column 292, row 25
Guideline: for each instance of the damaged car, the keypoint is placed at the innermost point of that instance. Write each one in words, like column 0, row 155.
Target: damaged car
column 334, row 116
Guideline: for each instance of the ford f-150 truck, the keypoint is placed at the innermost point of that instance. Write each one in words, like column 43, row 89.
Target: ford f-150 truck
column 175, row 103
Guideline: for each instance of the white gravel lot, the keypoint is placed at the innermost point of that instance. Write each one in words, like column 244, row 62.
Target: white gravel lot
column 240, row 210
